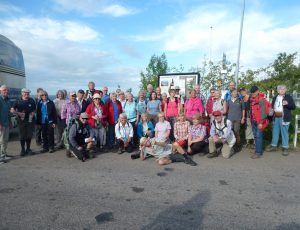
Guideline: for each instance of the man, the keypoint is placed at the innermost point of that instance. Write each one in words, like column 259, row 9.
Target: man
column 200, row 95
column 259, row 119
column 38, row 129
column 149, row 91
column 90, row 92
column 210, row 102
column 124, row 134
column 81, row 101
column 105, row 97
column 222, row 138
column 282, row 105
column 81, row 138
column 227, row 95
column 5, row 107
column 25, row 109
column 178, row 95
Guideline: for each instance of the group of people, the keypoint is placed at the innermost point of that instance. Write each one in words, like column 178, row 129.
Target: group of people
column 166, row 126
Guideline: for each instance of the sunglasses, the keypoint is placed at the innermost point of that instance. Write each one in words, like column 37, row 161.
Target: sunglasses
column 73, row 95
column 43, row 95
column 97, row 99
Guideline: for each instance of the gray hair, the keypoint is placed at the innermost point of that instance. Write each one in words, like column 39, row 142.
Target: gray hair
column 4, row 87
column 279, row 87
column 122, row 115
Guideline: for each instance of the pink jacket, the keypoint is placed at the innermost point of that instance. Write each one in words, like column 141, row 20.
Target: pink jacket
column 193, row 106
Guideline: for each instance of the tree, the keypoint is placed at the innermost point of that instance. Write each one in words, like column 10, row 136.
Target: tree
column 158, row 65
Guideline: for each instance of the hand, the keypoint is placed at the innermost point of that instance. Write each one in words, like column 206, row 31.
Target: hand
column 260, row 126
column 126, row 144
column 53, row 125
column 216, row 138
column 79, row 148
column 243, row 121
column 284, row 102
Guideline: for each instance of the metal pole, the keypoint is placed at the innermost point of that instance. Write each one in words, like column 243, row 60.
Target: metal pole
column 239, row 48
column 210, row 44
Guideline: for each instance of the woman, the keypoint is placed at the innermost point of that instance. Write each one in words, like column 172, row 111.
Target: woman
column 193, row 106
column 197, row 141
column 218, row 104
column 59, row 102
column 47, row 119
column 121, row 98
column 129, row 108
column 145, row 127
column 164, row 101
column 158, row 93
column 70, row 109
column 181, row 131
column 141, row 106
column 114, row 109
column 97, row 120
column 153, row 107
column 162, row 129
column 172, row 109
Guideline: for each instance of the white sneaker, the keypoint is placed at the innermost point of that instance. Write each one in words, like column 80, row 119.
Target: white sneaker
column 7, row 157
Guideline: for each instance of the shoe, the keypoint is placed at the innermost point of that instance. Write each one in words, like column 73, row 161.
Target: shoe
column 120, row 151
column 51, row 151
column 7, row 157
column 44, row 150
column 22, row 153
column 189, row 161
column 91, row 154
column 212, row 155
column 271, row 149
column 29, row 152
column 255, row 156
column 2, row 160
column 38, row 143
column 285, row 152
column 201, row 154
column 68, row 153
column 74, row 155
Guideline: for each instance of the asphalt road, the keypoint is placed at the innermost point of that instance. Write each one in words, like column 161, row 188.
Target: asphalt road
column 50, row 191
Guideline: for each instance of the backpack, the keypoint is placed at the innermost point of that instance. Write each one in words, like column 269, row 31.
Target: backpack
column 65, row 136
column 225, row 125
column 176, row 101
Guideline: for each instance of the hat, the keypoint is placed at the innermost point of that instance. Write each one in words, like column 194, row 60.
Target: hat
column 96, row 95
column 84, row 115
column 81, row 91
column 72, row 92
column 177, row 87
column 25, row 90
column 253, row 89
column 217, row 113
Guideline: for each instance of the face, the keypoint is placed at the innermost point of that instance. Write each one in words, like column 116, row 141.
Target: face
column 39, row 94
column 123, row 120
column 80, row 96
column 158, row 90
column 97, row 100
column 165, row 98
column 83, row 120
column 91, row 86
column 113, row 97
column 234, row 93
column 281, row 91
column 243, row 92
column 217, row 94
column 129, row 97
column 144, row 118
column 142, row 96
column 218, row 118
column 161, row 117
column 172, row 93
column 72, row 97
column 122, row 96
column 4, row 92
column 43, row 96
column 181, row 118
column 25, row 96
column 212, row 93
column 254, row 94
column 150, row 88
column 196, row 121
column 193, row 94
column 105, row 90
column 153, row 96
column 60, row 95
column 197, row 88
column 231, row 85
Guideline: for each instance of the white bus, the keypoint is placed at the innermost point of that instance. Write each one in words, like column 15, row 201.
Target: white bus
column 12, row 69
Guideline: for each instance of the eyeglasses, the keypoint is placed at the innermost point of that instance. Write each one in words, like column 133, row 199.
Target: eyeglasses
column 73, row 95
column 43, row 95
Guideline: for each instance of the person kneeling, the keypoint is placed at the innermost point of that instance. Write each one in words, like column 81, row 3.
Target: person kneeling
column 222, row 137
column 163, row 153
column 124, row 134
column 81, row 138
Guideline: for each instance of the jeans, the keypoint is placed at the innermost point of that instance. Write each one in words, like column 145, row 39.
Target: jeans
column 111, row 136
column 258, row 137
column 277, row 128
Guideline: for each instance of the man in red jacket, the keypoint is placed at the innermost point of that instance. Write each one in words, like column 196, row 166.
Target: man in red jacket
column 259, row 119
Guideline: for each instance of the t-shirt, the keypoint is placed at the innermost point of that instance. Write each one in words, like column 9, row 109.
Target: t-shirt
column 153, row 107
column 129, row 109
column 235, row 109
column 278, row 104
column 161, row 128
column 26, row 107
column 141, row 107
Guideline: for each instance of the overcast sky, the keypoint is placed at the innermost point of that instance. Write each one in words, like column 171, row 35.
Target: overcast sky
column 67, row 43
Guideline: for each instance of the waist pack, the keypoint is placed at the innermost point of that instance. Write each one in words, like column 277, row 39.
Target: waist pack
column 278, row 114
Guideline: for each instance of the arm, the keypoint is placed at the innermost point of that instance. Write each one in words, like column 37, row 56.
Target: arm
column 226, row 107
column 175, row 131
column 72, row 136
column 229, row 130
column 117, row 131
column 160, row 108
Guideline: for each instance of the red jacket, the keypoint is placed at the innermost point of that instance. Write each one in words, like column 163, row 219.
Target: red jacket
column 260, row 109
column 209, row 105
column 90, row 110
column 110, row 112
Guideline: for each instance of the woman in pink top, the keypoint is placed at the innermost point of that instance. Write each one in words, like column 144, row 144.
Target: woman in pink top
column 193, row 106
column 172, row 108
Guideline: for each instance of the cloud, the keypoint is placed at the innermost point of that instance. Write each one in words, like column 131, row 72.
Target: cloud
column 63, row 54
column 95, row 7
column 9, row 8
column 262, row 37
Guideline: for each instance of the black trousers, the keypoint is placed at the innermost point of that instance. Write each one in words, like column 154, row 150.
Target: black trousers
column 47, row 136
column 199, row 147
column 80, row 153
column 129, row 148
column 38, row 134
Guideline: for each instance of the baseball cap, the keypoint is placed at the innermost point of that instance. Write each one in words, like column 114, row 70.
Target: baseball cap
column 25, row 90
column 72, row 92
column 81, row 91
column 96, row 95
column 177, row 87
column 217, row 113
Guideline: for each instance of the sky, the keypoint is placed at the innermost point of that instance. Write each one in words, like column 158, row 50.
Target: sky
column 67, row 43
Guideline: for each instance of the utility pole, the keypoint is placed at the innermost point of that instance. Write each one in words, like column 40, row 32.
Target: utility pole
column 239, row 47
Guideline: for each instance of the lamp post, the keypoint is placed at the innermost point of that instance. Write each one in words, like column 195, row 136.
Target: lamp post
column 239, row 47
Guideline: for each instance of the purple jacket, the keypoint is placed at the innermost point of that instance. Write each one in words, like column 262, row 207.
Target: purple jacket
column 70, row 110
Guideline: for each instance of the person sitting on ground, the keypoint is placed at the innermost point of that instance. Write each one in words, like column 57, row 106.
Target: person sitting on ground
column 163, row 154
column 197, row 139
column 222, row 138
column 162, row 129
column 81, row 138
column 181, row 131
column 124, row 134
column 145, row 127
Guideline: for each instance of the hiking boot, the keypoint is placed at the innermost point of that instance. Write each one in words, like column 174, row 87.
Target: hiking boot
column 285, row 152
column 255, row 156
column 271, row 149
column 212, row 155
column 120, row 151
column 2, row 160
column 91, row 154
column 44, row 151
column 29, row 152
column 51, row 151
column 22, row 153
column 7, row 157
column 189, row 161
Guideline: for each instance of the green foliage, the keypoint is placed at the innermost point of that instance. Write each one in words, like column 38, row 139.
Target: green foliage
column 158, row 65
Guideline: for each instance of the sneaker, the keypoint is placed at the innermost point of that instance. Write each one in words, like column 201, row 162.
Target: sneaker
column 285, row 152
column 7, row 157
column 44, row 150
column 51, row 151
column 189, row 161
column 212, row 155
column 120, row 151
column 271, row 149
column 2, row 160
column 91, row 154
column 22, row 153
column 29, row 152
column 255, row 156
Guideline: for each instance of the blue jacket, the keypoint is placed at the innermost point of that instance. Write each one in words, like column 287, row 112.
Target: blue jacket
column 140, row 128
column 287, row 116
column 5, row 106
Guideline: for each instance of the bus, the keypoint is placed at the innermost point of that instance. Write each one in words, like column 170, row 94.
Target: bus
column 12, row 68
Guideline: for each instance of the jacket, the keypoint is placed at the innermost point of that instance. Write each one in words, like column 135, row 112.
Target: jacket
column 140, row 132
column 5, row 106
column 287, row 116
column 259, row 110
column 90, row 110
column 193, row 106
column 70, row 110
column 52, row 116
column 110, row 111
column 209, row 105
